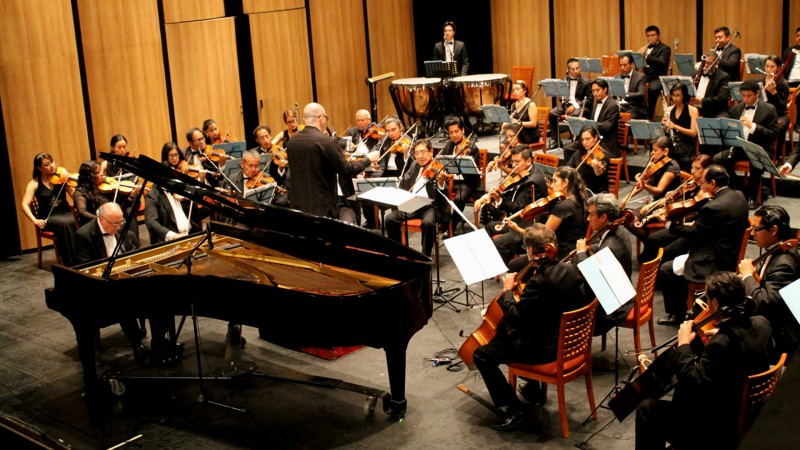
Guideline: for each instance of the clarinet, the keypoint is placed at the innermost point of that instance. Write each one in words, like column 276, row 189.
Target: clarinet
column 666, row 114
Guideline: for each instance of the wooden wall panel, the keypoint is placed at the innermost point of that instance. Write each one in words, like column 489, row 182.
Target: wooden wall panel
column 586, row 28
column 281, row 63
column 510, row 47
column 759, row 23
column 340, row 59
column 639, row 15
column 391, row 40
column 205, row 76
column 189, row 10
column 259, row 6
column 125, row 73
column 41, row 89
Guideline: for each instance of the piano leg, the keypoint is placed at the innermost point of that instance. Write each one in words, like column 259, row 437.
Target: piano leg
column 85, row 331
column 396, row 363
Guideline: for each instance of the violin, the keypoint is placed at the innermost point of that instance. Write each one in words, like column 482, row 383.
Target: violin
column 63, row 176
column 648, row 172
column 529, row 212
column 279, row 156
column 110, row 185
column 193, row 170
column 462, row 149
column 432, row 169
column 596, row 153
column 399, row 146
column 254, row 183
column 373, row 131
column 780, row 246
column 679, row 210
column 215, row 154
column 627, row 216
column 687, row 188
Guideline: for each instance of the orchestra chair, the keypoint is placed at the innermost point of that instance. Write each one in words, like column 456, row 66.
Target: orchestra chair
column 43, row 234
column 574, row 358
column 694, row 287
column 546, row 159
column 791, row 108
column 642, row 312
column 415, row 225
column 524, row 73
column 623, row 128
column 542, row 118
column 744, row 167
column 757, row 389
column 614, row 170
column 652, row 227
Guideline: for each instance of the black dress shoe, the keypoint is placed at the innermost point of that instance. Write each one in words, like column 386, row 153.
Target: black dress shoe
column 513, row 420
column 669, row 319
column 533, row 392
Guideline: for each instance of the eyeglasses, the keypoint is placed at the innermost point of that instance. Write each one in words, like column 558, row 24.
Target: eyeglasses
column 119, row 224
column 757, row 229
column 325, row 116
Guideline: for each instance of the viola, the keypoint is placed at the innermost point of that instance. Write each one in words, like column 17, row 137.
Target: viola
column 679, row 210
column 780, row 246
column 63, row 176
column 529, row 212
column 373, row 131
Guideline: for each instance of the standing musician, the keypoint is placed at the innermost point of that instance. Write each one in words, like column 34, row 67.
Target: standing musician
column 710, row 378
column 790, row 57
column 714, row 240
column 730, row 54
column 580, row 97
column 452, row 50
column 605, row 113
column 712, row 92
column 635, row 88
column 465, row 186
column 213, row 134
column 392, row 165
column 657, row 57
column 779, row 269
column 290, row 119
column 361, row 132
column 681, row 122
column 524, row 114
column 416, row 180
column 53, row 212
column 592, row 168
column 602, row 209
column 760, row 122
column 316, row 164
column 528, row 330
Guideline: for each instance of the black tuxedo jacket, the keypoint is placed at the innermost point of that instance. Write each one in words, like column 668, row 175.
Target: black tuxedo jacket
column 459, row 55
column 407, row 183
column 731, row 62
column 89, row 245
column 635, row 100
column 355, row 134
column 160, row 219
column 399, row 158
column 473, row 181
column 583, row 91
column 717, row 95
column 657, row 62
column 716, row 236
column 607, row 125
column 766, row 120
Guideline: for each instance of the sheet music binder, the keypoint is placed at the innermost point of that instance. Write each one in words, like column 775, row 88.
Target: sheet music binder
column 643, row 129
column 389, row 197
column 608, row 280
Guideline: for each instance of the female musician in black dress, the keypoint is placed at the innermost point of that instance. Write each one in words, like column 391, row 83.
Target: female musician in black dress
column 777, row 89
column 52, row 212
column 665, row 174
column 682, row 123
column 525, row 113
column 213, row 134
column 593, row 169
column 290, row 119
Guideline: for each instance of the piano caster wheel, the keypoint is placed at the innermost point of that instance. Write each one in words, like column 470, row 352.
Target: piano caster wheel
column 117, row 387
column 369, row 405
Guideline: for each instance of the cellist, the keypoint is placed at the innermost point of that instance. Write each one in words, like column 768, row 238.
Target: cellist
column 528, row 330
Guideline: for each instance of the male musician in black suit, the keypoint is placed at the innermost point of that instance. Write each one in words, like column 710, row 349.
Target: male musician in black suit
column 760, row 122
column 605, row 112
column 602, row 209
column 729, row 54
column 465, row 187
column 656, row 56
column 277, row 170
column 359, row 134
column 713, row 374
column 195, row 154
column 452, row 50
column 414, row 181
column 250, row 165
column 528, row 331
column 580, row 98
column 770, row 228
column 712, row 93
column 392, row 165
column 316, row 163
column 792, row 73
column 714, row 241
column 635, row 86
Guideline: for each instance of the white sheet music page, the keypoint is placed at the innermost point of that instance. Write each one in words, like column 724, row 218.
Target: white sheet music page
column 475, row 256
column 791, row 296
column 608, row 280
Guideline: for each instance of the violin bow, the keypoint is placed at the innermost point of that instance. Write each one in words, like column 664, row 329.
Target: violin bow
column 398, row 140
column 589, row 153
column 636, row 189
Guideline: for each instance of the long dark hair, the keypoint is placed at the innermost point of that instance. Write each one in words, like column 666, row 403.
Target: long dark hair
column 168, row 147
column 577, row 188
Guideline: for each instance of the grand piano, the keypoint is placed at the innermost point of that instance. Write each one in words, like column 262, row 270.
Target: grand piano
column 304, row 281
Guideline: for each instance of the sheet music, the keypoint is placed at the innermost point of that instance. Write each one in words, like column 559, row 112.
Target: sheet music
column 791, row 296
column 608, row 280
column 476, row 256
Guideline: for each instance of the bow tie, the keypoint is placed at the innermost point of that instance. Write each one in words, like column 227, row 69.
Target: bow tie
column 624, row 76
column 651, row 45
column 107, row 234
column 706, row 75
column 749, row 107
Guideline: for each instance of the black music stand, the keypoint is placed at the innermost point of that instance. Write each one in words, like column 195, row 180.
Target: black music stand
column 445, row 71
column 759, row 160
column 234, row 150
column 720, row 131
column 262, row 194
column 559, row 89
column 646, row 130
column 364, row 185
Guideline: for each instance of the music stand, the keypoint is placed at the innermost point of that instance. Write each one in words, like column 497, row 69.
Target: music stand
column 754, row 63
column 262, row 194
column 364, row 185
column 557, row 88
column 668, row 81
column 759, row 160
column 591, row 65
column 495, row 114
column 736, row 91
column 612, row 287
column 616, row 86
column 638, row 59
column 643, row 129
column 444, row 71
column 576, row 124
column 477, row 260
column 719, row 131
column 232, row 149
column 685, row 63
column 441, row 69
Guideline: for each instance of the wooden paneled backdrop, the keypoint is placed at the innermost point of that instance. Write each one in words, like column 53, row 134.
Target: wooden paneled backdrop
column 301, row 50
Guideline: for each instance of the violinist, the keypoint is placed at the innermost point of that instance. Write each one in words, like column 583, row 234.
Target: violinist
column 263, row 137
column 277, row 160
column 712, row 92
column 118, row 146
column 713, row 241
column 664, row 174
column 282, row 138
column 779, row 269
column 591, row 167
column 524, row 113
column 250, row 177
column 605, row 113
column 366, row 132
column 195, row 154
column 760, row 123
column 394, row 143
column 602, row 209
column 213, row 134
column 681, row 122
column 465, row 187
column 507, row 143
column 528, row 330
column 168, row 216
column 53, row 212
column 710, row 377
column 777, row 89
column 415, row 181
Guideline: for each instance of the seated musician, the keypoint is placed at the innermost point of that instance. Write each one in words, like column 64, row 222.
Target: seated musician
column 509, row 141
column 53, row 212
column 710, row 378
column 602, row 209
column 528, row 331
column 524, row 114
column 635, row 86
column 513, row 198
column 195, row 155
column 580, row 97
column 414, row 180
column 760, row 122
column 88, row 195
column 249, row 178
column 663, row 174
column 394, row 151
column 566, row 218
column 213, row 134
column 290, row 119
column 711, row 92
column 360, row 134
column 278, row 166
column 681, row 122
column 592, row 169
column 465, row 187
column 263, row 136
column 770, row 228
column 168, row 216
column 794, row 157
column 777, row 89
column 713, row 240
column 119, row 146
column 604, row 111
